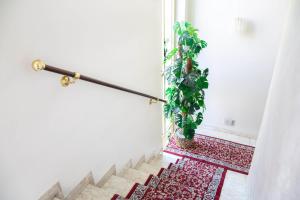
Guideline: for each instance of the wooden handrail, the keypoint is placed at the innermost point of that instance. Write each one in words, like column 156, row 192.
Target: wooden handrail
column 70, row 77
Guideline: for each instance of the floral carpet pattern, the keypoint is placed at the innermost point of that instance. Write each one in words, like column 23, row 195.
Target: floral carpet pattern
column 186, row 179
column 230, row 155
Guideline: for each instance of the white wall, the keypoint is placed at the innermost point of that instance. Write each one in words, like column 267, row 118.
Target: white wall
column 275, row 172
column 240, row 65
column 180, row 10
column 49, row 133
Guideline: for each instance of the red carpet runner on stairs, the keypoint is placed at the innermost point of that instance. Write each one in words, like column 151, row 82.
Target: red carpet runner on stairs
column 186, row 180
column 230, row 155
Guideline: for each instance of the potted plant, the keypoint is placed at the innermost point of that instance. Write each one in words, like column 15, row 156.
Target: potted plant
column 186, row 84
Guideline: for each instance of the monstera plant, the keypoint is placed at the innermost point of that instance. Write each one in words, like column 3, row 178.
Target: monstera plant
column 186, row 83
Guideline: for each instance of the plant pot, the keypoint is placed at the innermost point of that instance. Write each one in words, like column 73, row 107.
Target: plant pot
column 182, row 142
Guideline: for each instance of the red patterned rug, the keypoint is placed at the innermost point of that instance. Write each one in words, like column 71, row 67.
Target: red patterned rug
column 230, row 155
column 186, row 180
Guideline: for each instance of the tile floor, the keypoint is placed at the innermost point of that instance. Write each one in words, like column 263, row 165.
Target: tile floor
column 227, row 136
column 235, row 184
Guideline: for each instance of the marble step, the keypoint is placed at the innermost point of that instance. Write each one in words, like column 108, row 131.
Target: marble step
column 162, row 161
column 118, row 185
column 92, row 192
column 148, row 168
column 135, row 175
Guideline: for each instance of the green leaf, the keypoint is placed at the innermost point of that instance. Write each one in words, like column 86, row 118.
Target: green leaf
column 177, row 28
column 192, row 109
column 170, row 91
column 199, row 118
column 205, row 85
column 188, row 133
column 171, row 54
column 197, row 48
column 192, row 31
column 191, row 79
column 187, row 25
column 200, row 102
column 205, row 72
column 195, row 63
column 167, row 110
column 186, row 91
column 178, row 120
column 203, row 44
column 202, row 83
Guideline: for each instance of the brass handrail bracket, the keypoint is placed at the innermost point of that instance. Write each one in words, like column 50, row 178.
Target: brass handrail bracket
column 151, row 101
column 66, row 80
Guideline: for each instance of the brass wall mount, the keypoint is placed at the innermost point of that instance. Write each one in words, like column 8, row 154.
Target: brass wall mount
column 65, row 81
column 38, row 65
column 151, row 101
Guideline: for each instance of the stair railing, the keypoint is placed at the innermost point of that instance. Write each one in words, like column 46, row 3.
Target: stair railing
column 71, row 77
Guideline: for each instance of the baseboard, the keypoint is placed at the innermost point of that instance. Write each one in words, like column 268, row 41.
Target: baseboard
column 151, row 157
column 54, row 191
column 126, row 166
column 89, row 179
column 224, row 130
column 107, row 175
column 140, row 161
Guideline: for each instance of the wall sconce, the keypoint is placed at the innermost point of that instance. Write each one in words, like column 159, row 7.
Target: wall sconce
column 242, row 25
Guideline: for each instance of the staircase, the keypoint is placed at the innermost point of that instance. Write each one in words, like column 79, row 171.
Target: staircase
column 112, row 182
